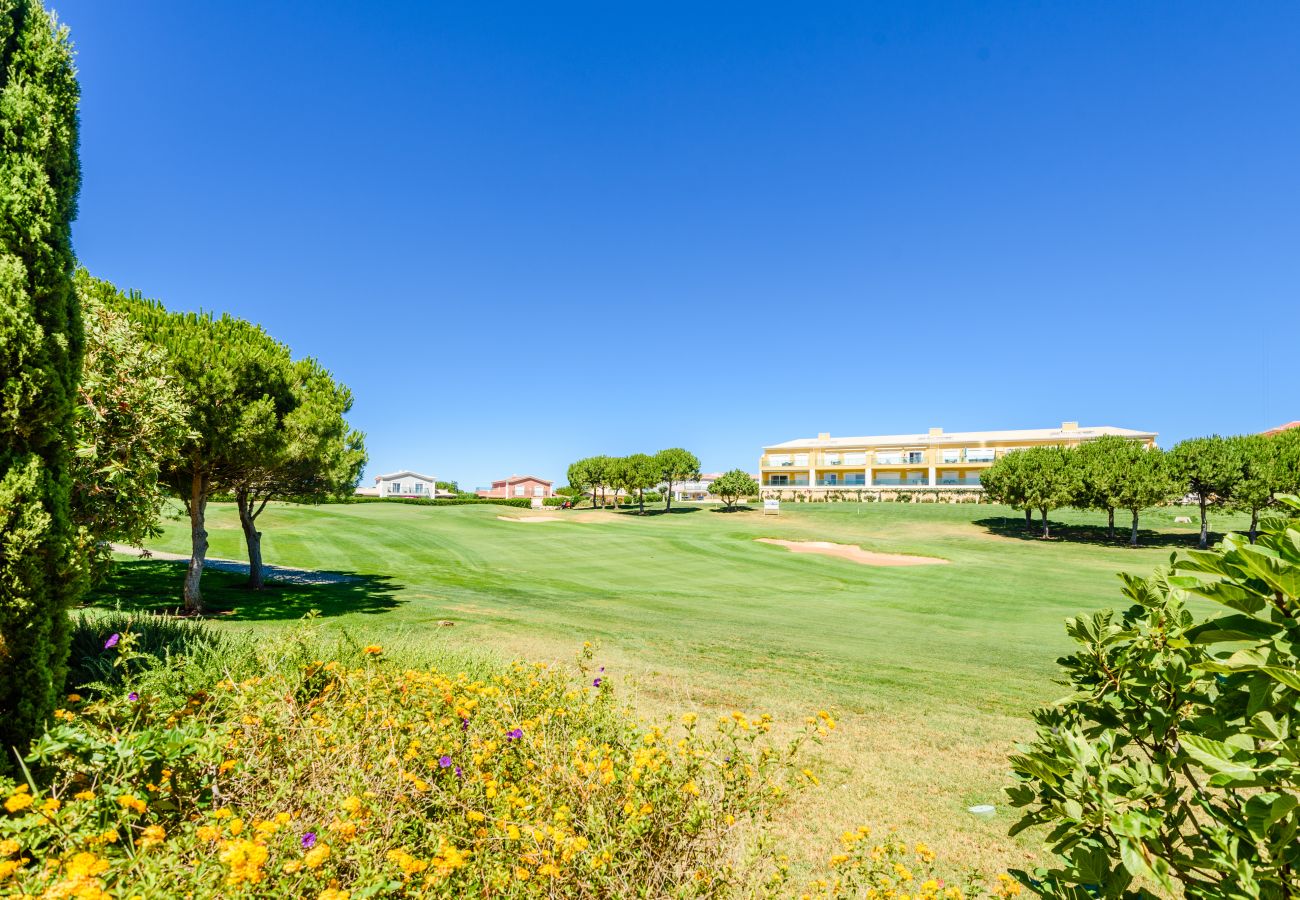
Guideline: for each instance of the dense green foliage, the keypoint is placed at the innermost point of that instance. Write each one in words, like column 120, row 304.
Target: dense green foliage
column 41, row 346
column 733, row 486
column 1245, row 473
column 130, row 420
column 313, row 455
column 676, row 464
column 238, row 387
column 1177, row 758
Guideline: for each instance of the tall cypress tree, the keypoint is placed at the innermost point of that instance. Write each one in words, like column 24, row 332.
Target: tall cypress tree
column 40, row 358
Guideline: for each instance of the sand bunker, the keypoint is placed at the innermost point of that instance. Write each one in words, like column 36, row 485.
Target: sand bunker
column 530, row 518
column 853, row 553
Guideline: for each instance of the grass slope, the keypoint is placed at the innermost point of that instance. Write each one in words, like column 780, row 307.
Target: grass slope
column 931, row 669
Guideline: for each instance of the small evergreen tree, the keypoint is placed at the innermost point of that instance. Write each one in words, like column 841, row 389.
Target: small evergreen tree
column 1210, row 468
column 1261, row 476
column 315, row 456
column 1050, row 479
column 130, row 421
column 1004, row 482
column 40, row 361
column 734, row 485
column 1100, row 465
column 676, row 464
column 1147, row 481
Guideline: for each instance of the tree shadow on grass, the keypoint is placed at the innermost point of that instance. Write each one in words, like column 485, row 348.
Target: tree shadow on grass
column 1006, row 526
column 657, row 511
column 155, row 585
column 740, row 507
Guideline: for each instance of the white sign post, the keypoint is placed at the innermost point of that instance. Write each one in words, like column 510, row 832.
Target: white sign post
column 771, row 507
column 537, row 503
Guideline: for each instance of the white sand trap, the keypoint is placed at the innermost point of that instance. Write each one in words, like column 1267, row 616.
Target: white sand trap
column 530, row 519
column 853, row 553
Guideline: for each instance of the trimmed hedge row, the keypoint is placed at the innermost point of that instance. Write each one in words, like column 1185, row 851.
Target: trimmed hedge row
column 519, row 502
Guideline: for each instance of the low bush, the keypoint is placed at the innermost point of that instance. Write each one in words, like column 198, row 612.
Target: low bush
column 1176, row 762
column 520, row 502
column 192, row 763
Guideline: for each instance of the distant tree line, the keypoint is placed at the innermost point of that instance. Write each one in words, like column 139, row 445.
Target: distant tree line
column 633, row 475
column 1244, row 473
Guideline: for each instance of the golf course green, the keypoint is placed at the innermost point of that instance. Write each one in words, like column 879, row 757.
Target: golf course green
column 931, row 670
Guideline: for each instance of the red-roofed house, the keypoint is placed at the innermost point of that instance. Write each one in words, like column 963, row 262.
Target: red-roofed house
column 518, row 486
column 1281, row 428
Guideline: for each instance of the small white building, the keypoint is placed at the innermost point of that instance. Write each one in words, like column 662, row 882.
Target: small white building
column 402, row 484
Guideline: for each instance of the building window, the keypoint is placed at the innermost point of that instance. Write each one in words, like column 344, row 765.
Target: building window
column 779, row 459
column 519, row 490
column 537, row 491
column 832, row 459
column 855, row 479
column 979, row 454
column 801, row 459
column 949, row 476
column 397, row 488
column 778, row 480
column 831, row 479
column 951, row 456
column 889, row 458
column 856, row 458
column 915, row 456
column 887, row 478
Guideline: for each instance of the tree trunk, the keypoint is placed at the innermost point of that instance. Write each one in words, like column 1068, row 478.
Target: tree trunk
column 1254, row 524
column 1133, row 538
column 198, row 543
column 1029, row 519
column 1205, row 526
column 640, row 499
column 1047, row 530
column 668, row 496
column 1110, row 519
column 252, row 539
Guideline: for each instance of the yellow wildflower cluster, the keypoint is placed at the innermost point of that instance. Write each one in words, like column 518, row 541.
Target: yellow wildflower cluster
column 335, row 780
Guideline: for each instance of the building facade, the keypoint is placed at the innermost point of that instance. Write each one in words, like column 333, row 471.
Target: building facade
column 401, row 484
column 518, row 486
column 902, row 462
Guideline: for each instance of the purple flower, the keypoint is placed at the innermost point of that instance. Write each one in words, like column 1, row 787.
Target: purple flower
column 515, row 735
column 464, row 724
column 444, row 762
column 458, row 771
column 112, row 641
column 133, row 696
column 602, row 668
column 596, row 683
column 309, row 840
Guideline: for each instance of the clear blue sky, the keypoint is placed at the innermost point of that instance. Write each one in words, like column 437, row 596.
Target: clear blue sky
column 716, row 225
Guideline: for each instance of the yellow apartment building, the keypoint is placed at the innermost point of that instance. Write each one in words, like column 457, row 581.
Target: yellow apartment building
column 938, row 460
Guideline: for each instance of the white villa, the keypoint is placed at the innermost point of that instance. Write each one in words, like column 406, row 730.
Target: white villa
column 402, row 484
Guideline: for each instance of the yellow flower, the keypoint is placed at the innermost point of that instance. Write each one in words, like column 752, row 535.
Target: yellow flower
column 74, row 698
column 8, row 867
column 475, row 816
column 85, row 865
column 373, row 649
column 84, row 795
column 208, row 832
column 691, row 788
column 690, row 719
column 316, row 856
column 129, row 801
column 8, row 847
column 333, row 893
column 153, row 834
column 352, row 804
column 19, row 801
column 245, row 859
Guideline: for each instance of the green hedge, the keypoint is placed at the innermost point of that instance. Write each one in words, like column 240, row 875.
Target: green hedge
column 519, row 502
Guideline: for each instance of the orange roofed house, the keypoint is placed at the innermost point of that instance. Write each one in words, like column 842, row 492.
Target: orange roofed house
column 518, row 486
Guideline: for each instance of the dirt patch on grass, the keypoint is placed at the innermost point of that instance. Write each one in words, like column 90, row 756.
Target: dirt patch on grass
column 853, row 553
column 530, row 519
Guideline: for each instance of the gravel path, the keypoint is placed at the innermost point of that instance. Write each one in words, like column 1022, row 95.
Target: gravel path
column 272, row 573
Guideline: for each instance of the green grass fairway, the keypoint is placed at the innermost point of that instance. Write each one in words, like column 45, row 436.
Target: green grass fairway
column 931, row 670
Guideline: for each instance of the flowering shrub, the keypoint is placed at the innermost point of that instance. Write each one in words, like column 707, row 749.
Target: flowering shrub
column 889, row 868
column 363, row 779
